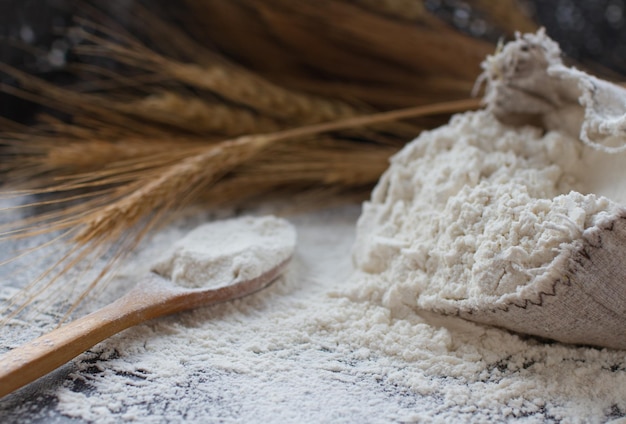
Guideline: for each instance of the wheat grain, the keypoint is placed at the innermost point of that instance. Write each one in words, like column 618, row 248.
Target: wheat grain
column 191, row 114
column 142, row 198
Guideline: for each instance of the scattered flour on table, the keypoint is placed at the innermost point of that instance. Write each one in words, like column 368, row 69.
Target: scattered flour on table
column 303, row 351
column 331, row 343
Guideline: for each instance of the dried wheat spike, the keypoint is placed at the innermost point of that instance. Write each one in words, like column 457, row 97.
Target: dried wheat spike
column 165, row 186
column 192, row 114
column 229, row 81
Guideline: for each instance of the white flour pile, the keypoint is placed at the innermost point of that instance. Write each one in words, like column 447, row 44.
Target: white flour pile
column 488, row 222
column 330, row 343
column 474, row 211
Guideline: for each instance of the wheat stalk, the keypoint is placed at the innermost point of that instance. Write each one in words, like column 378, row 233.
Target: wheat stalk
column 150, row 186
column 203, row 166
column 229, row 81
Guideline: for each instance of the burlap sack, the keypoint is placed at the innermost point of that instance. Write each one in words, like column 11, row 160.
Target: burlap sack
column 585, row 302
column 586, row 305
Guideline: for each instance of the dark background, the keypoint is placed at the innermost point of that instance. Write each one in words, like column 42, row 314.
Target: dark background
column 592, row 32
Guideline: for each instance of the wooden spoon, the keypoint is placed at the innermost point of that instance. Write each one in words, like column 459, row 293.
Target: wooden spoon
column 214, row 263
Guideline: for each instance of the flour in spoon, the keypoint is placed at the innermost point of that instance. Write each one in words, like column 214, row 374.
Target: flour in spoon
column 226, row 252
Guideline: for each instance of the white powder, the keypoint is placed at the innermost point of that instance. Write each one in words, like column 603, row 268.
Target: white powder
column 475, row 212
column 227, row 252
column 488, row 221
column 301, row 351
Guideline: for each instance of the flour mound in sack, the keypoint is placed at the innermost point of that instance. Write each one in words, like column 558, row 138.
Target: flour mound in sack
column 489, row 220
column 473, row 210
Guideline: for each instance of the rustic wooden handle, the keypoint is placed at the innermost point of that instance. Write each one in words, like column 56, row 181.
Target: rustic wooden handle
column 151, row 298
column 37, row 358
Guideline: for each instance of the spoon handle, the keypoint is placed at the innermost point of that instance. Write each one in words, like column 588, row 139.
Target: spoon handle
column 35, row 359
column 151, row 298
